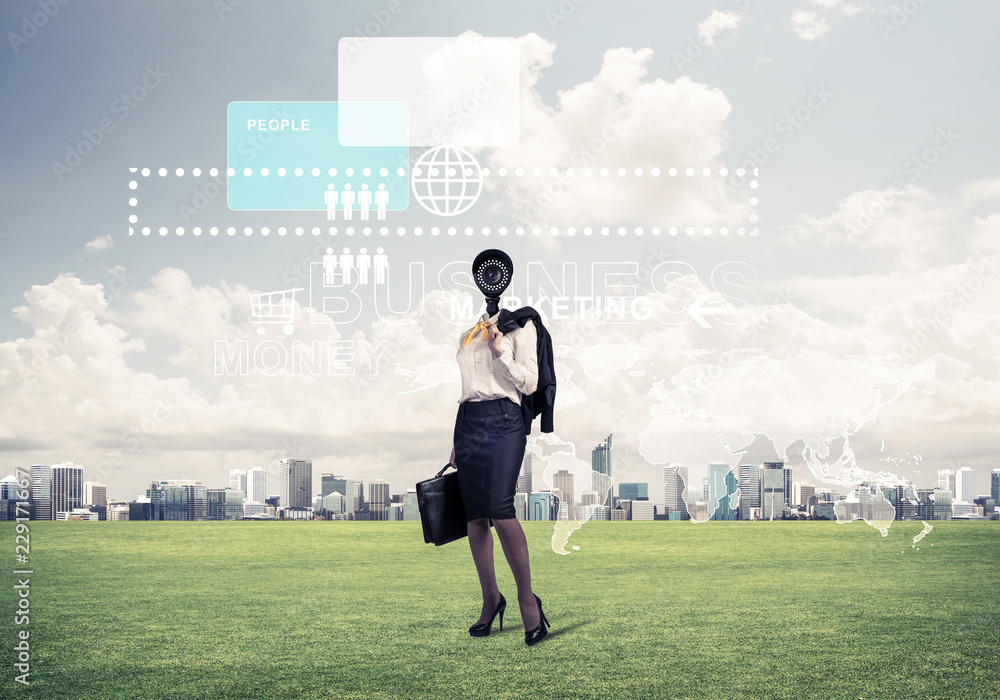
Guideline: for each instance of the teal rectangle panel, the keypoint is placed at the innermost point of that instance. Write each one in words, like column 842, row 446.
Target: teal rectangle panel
column 300, row 140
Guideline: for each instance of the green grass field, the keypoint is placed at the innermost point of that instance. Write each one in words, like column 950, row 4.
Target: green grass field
column 642, row 610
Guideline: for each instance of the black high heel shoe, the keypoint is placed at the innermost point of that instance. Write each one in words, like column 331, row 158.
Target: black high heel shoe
column 482, row 629
column 534, row 636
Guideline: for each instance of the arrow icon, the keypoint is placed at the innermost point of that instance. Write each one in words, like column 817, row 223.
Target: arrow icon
column 698, row 310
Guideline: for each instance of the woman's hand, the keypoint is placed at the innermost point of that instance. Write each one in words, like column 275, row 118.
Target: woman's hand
column 452, row 459
column 494, row 342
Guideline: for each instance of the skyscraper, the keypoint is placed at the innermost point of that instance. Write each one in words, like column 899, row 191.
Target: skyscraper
column 295, row 483
column 256, row 485
column 946, row 480
column 562, row 486
column 801, row 493
column 995, row 486
column 772, row 490
column 41, row 492
column 238, row 480
column 674, row 484
column 411, row 510
column 94, row 494
column 749, row 482
column 722, row 486
column 542, row 506
column 195, row 499
column 379, row 499
column 603, row 470
column 633, row 491
column 965, row 485
column 67, row 487
column 524, row 484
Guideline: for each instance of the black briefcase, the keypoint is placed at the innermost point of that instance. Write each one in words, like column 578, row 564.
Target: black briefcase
column 442, row 512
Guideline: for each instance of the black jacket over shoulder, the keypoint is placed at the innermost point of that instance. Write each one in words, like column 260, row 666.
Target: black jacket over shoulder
column 543, row 401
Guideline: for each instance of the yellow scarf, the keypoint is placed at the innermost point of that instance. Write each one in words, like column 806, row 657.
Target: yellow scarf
column 481, row 326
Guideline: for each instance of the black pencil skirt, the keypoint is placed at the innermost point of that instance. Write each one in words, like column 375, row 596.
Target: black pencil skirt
column 489, row 448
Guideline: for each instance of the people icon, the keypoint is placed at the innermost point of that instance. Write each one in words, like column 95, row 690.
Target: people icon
column 330, row 199
column 329, row 267
column 381, row 261
column 347, row 200
column 346, row 265
column 381, row 200
column 363, row 264
column 364, row 201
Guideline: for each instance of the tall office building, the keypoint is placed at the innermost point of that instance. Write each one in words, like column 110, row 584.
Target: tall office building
column 94, row 494
column 524, row 482
column 562, row 486
column 633, row 491
column 995, row 486
column 238, row 481
column 295, row 483
column 722, row 487
column 256, row 485
column 194, row 501
column 521, row 505
column 351, row 489
column 332, row 503
column 411, row 509
column 542, row 506
column 801, row 493
column 772, row 490
column 41, row 492
column 224, row 504
column 379, row 499
column 603, row 470
column 965, row 485
column 749, row 482
column 67, row 487
column 674, row 485
column 946, row 480
column 175, row 502
column 327, row 484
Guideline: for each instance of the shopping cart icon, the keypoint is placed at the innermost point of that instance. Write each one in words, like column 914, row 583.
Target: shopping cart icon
column 274, row 307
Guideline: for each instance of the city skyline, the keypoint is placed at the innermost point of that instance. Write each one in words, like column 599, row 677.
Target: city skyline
column 726, row 495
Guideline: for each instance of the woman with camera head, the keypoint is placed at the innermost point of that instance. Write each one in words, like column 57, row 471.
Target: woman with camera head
column 499, row 371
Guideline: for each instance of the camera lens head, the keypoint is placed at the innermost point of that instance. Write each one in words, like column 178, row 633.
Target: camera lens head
column 492, row 270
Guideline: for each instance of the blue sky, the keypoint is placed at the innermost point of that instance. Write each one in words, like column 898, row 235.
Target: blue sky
column 892, row 86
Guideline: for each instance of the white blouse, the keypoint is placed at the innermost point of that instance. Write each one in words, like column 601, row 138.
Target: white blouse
column 513, row 373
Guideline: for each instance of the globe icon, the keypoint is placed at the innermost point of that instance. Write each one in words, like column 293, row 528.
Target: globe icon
column 447, row 180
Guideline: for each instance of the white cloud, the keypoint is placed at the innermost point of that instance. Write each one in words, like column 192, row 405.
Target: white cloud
column 99, row 244
column 618, row 120
column 87, row 382
column 809, row 25
column 909, row 222
column 717, row 23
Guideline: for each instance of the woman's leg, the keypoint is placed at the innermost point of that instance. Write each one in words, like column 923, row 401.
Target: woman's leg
column 481, row 543
column 515, row 548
